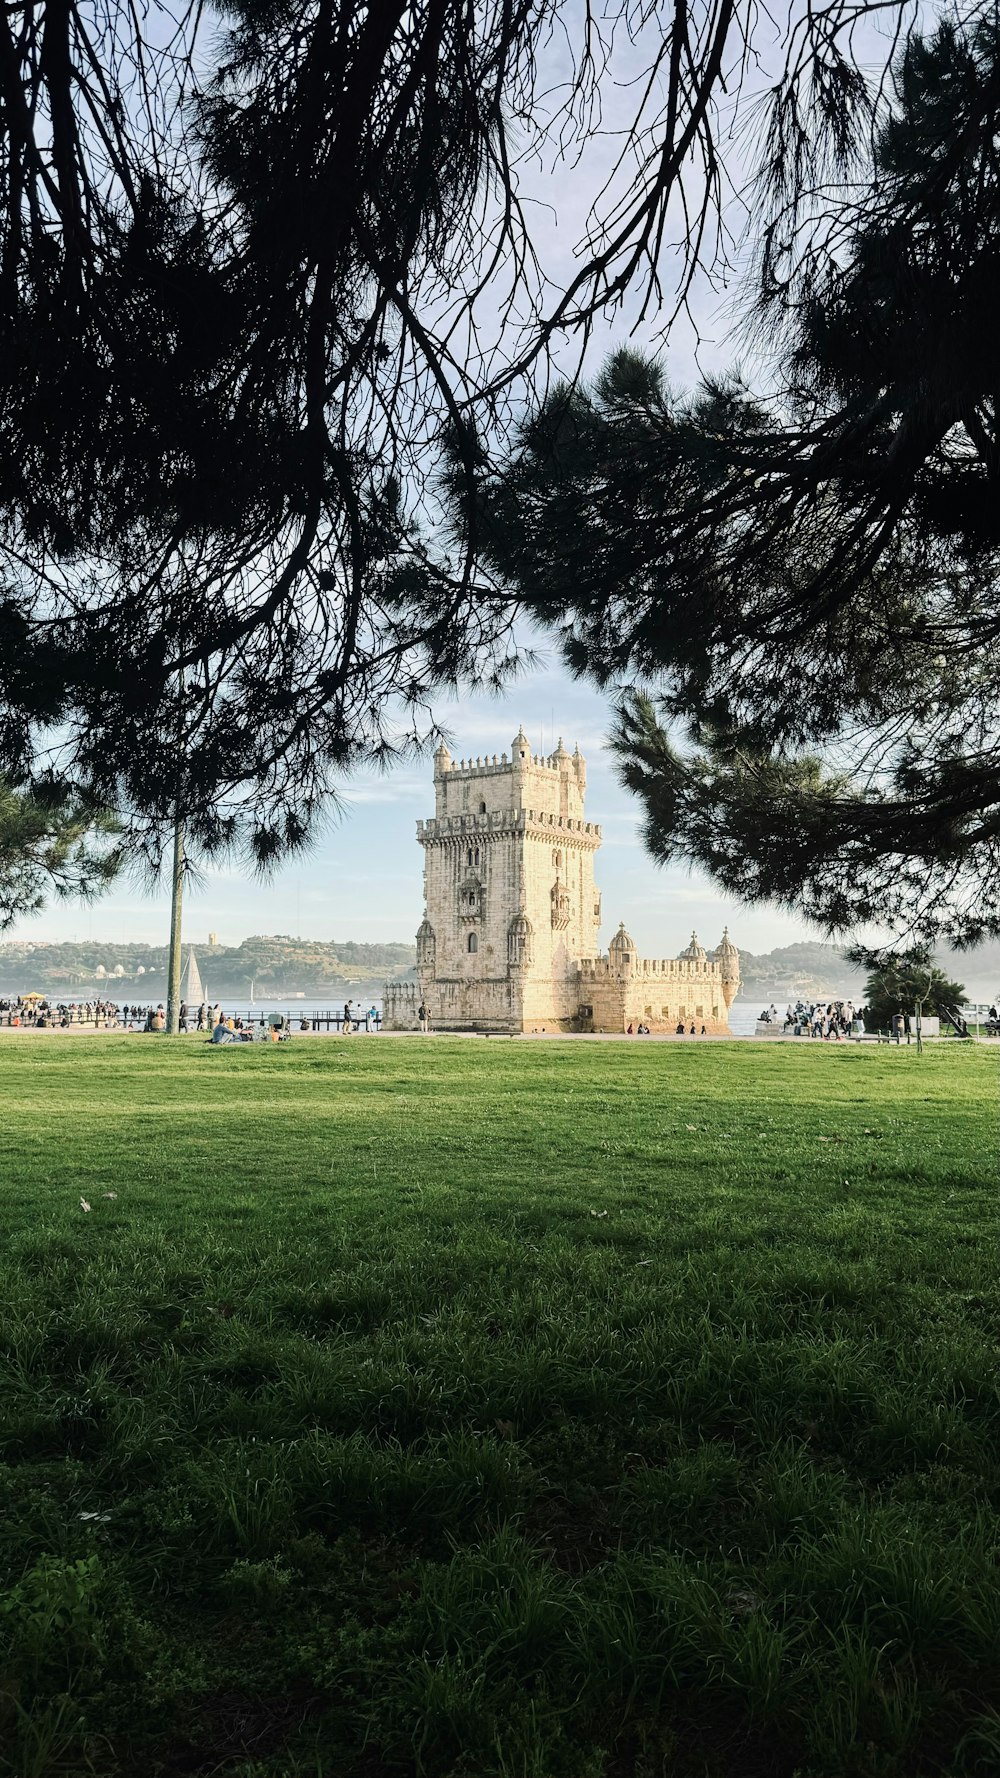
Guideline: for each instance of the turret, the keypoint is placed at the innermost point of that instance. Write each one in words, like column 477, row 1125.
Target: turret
column 442, row 760
column 694, row 952
column 622, row 953
column 426, row 944
column 728, row 959
column 520, row 750
column 520, row 941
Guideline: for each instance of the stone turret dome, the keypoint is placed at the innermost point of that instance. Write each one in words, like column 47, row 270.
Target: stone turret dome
column 521, row 925
column 442, row 757
column 426, row 940
column 694, row 952
column 622, row 951
column 728, row 959
column 520, row 746
column 728, row 956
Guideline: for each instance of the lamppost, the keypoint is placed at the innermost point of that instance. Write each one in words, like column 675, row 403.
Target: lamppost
column 176, row 915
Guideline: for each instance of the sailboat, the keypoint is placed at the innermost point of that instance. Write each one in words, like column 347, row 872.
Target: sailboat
column 192, row 992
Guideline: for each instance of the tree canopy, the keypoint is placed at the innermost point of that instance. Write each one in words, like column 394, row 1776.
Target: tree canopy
column 799, row 587
column 52, row 843
column 909, row 982
column 258, row 277
column 248, row 271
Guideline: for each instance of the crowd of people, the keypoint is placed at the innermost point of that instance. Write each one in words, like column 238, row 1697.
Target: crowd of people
column 42, row 1014
column 833, row 1019
column 36, row 1012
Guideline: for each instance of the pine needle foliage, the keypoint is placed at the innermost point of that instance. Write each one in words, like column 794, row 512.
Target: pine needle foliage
column 796, row 593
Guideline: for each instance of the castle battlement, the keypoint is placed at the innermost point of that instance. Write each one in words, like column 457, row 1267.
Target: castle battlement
column 492, row 766
column 677, row 968
column 475, row 768
column 514, row 820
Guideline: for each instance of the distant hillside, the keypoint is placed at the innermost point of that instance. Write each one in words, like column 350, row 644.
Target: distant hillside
column 804, row 969
column 276, row 964
column 814, row 968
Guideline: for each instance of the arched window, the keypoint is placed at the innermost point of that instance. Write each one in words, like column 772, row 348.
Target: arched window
column 557, row 860
column 473, row 942
column 482, row 808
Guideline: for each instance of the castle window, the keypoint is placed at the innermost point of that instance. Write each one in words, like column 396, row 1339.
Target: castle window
column 482, row 808
column 473, row 942
column 557, row 860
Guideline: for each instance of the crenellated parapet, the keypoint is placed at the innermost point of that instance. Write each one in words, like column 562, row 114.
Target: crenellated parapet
column 399, row 1006
column 442, row 827
column 676, row 968
column 521, row 759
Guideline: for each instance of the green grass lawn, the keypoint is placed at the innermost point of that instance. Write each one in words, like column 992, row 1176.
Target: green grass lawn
column 464, row 1408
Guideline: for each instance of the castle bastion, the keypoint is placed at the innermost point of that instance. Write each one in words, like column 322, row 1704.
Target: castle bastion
column 509, row 939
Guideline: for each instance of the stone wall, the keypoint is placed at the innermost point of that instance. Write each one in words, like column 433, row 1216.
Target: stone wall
column 658, row 992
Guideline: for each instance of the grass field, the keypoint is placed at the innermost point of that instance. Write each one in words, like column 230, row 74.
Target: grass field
column 481, row 1409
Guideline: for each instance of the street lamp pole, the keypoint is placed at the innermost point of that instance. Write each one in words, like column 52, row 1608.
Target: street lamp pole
column 176, row 916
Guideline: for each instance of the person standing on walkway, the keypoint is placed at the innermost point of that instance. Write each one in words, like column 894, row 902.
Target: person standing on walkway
column 422, row 1019
column 347, row 1018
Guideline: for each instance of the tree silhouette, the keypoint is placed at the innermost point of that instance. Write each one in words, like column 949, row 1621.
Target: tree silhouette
column 800, row 591
column 242, row 282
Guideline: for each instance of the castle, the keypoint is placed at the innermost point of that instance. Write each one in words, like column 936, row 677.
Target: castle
column 509, row 939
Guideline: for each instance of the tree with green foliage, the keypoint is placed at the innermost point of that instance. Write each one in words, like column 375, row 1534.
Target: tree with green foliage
column 51, row 843
column 798, row 591
column 908, row 982
column 245, row 275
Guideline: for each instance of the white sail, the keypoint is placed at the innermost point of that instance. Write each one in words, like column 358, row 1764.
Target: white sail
column 192, row 992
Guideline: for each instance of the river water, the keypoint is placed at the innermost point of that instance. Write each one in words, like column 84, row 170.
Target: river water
column 742, row 1018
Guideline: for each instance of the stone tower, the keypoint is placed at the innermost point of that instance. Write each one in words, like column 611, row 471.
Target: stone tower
column 509, row 938
column 509, row 889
